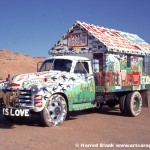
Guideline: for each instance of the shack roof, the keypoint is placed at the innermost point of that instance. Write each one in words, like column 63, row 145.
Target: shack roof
column 111, row 39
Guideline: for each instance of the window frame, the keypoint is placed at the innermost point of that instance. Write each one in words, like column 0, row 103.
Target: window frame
column 87, row 70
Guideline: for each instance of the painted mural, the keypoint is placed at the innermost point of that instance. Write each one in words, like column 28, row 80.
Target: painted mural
column 124, row 54
column 122, row 72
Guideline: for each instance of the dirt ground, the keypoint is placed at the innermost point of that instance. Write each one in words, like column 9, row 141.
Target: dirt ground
column 16, row 63
column 100, row 129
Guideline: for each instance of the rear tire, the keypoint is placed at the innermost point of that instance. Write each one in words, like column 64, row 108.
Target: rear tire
column 122, row 105
column 55, row 111
column 134, row 103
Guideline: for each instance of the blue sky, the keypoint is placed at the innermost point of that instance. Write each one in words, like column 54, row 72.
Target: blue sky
column 32, row 27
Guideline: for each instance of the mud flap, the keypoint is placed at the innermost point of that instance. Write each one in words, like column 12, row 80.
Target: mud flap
column 145, row 98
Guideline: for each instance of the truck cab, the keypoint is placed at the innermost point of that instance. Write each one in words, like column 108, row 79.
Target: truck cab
column 75, row 73
column 63, row 83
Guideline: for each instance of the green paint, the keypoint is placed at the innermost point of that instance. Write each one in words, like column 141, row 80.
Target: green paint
column 83, row 106
column 83, row 93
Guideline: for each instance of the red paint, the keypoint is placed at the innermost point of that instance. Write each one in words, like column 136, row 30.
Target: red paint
column 136, row 77
column 45, row 79
column 111, row 38
column 106, row 90
column 78, row 39
column 38, row 104
column 38, row 97
column 14, row 84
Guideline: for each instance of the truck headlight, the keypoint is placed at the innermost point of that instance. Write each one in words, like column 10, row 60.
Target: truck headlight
column 35, row 89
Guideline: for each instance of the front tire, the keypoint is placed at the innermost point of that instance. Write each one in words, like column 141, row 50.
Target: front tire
column 55, row 111
column 134, row 103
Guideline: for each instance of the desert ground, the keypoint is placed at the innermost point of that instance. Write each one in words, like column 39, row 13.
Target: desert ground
column 17, row 63
column 82, row 128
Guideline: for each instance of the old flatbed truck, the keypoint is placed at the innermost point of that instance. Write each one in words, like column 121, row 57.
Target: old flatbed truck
column 88, row 67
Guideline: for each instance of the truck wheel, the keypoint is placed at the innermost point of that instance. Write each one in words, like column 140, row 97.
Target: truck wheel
column 122, row 105
column 55, row 111
column 134, row 103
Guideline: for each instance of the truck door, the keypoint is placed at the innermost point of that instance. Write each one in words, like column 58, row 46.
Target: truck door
column 85, row 89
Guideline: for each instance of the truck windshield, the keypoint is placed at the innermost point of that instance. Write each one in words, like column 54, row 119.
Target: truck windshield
column 56, row 64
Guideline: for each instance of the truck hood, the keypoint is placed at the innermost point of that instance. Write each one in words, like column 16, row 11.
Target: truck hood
column 28, row 80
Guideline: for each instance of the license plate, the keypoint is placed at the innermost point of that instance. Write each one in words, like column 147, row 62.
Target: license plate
column 16, row 112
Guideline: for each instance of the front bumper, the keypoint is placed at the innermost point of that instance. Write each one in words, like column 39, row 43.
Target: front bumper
column 16, row 112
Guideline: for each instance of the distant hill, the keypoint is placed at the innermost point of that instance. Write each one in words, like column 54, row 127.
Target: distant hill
column 17, row 63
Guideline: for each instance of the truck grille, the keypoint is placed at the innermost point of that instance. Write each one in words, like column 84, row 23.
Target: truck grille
column 24, row 96
column 20, row 98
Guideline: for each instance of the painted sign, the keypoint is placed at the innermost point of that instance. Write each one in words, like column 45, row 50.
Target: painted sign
column 145, row 80
column 78, row 39
column 136, row 77
column 16, row 112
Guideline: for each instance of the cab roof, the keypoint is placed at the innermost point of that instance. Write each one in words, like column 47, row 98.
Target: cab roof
column 72, row 58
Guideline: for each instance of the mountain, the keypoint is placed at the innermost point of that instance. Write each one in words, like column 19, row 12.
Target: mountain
column 16, row 63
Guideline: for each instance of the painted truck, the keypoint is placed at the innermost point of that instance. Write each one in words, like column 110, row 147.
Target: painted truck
column 90, row 66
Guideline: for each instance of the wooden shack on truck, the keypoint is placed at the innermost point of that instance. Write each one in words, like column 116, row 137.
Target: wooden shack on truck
column 121, row 60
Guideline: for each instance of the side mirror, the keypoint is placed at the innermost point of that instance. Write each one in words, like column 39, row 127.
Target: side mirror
column 39, row 65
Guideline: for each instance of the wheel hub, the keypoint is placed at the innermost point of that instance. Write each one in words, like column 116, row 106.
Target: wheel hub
column 57, row 110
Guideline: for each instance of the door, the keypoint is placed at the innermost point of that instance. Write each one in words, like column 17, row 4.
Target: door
column 85, row 85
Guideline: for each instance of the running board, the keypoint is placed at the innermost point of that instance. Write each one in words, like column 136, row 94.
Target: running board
column 83, row 106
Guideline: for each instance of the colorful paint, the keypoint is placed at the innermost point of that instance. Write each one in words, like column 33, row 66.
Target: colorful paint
column 145, row 80
column 124, row 55
column 120, row 63
column 77, row 86
column 77, row 40
column 91, row 38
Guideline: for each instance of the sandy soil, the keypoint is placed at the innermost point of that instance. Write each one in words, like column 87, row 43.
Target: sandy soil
column 16, row 63
column 82, row 127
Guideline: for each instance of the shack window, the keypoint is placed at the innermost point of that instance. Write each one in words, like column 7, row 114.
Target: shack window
column 81, row 67
column 128, row 61
column 146, row 67
column 97, row 62
column 96, row 66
